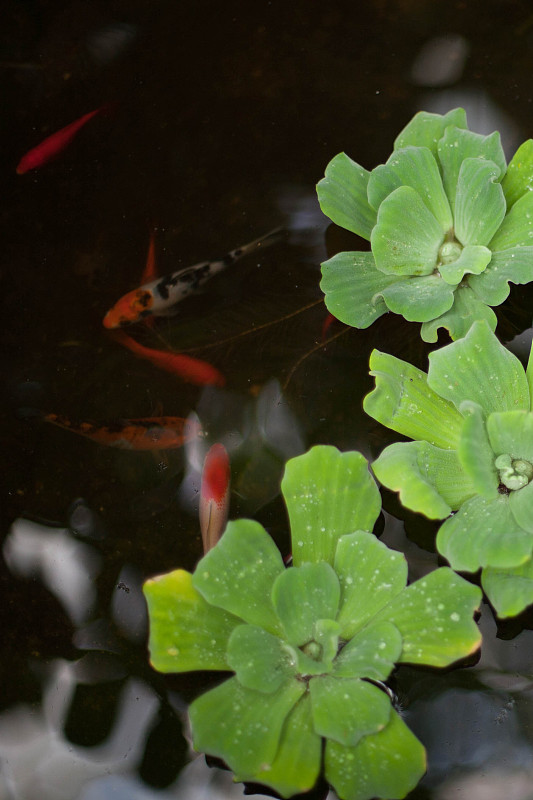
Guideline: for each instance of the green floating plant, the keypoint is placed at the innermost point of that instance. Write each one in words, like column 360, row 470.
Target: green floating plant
column 449, row 223
column 310, row 644
column 472, row 421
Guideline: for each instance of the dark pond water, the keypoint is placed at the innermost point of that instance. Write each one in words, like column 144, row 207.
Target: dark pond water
column 223, row 118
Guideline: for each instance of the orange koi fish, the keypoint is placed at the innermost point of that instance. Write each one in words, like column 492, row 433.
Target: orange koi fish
column 150, row 270
column 214, row 495
column 192, row 370
column 158, row 297
column 53, row 145
column 144, row 433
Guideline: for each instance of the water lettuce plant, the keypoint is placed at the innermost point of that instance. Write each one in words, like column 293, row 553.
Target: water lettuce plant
column 471, row 419
column 310, row 645
column 449, row 223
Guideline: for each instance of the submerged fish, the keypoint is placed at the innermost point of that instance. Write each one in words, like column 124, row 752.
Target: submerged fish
column 150, row 269
column 143, row 433
column 53, row 145
column 158, row 297
column 214, row 495
column 191, row 370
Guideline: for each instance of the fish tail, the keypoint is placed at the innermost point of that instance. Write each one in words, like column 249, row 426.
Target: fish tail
column 267, row 240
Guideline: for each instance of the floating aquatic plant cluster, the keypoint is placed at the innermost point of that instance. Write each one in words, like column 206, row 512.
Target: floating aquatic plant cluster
column 471, row 421
column 449, row 225
column 311, row 646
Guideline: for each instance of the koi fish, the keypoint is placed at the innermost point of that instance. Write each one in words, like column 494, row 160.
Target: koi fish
column 143, row 433
column 214, row 495
column 150, row 270
column 53, row 145
column 158, row 297
column 192, row 370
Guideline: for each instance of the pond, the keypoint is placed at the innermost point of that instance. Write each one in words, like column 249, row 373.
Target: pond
column 216, row 123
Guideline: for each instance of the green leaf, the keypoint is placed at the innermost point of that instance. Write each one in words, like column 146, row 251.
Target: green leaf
column 419, row 299
column 466, row 309
column 514, row 265
column 371, row 653
column 519, row 176
column 435, row 618
column 517, row 227
column 429, row 480
column 415, row 167
column 407, row 237
column 479, row 202
column 237, row 574
column 346, row 709
column 370, row 575
column 473, row 259
column 509, row 590
column 483, row 533
column 521, row 503
column 386, row 764
column 302, row 595
column 261, row 661
column 529, row 371
column 342, row 196
column 326, row 634
column 475, row 453
column 457, row 145
column 353, row 285
column 327, row 494
column 426, row 129
column 186, row 633
column 480, row 369
column 297, row 763
column 511, row 432
column 403, row 401
column 240, row 725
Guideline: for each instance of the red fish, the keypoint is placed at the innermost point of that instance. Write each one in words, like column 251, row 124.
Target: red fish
column 330, row 319
column 144, row 433
column 192, row 370
column 150, row 269
column 214, row 495
column 53, row 145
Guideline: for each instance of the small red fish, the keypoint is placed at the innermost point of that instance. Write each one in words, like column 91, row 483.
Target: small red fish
column 192, row 370
column 330, row 319
column 53, row 145
column 144, row 433
column 214, row 495
column 150, row 269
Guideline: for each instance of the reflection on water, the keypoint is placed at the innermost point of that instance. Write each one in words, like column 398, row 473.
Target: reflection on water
column 259, row 434
column 66, row 567
column 226, row 118
column 37, row 759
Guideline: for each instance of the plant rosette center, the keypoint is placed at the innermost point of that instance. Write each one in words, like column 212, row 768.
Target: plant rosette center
column 471, row 421
column 309, row 645
column 450, row 224
column 449, row 252
column 514, row 473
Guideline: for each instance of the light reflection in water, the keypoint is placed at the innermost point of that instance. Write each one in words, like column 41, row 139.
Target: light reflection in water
column 67, row 567
column 39, row 763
